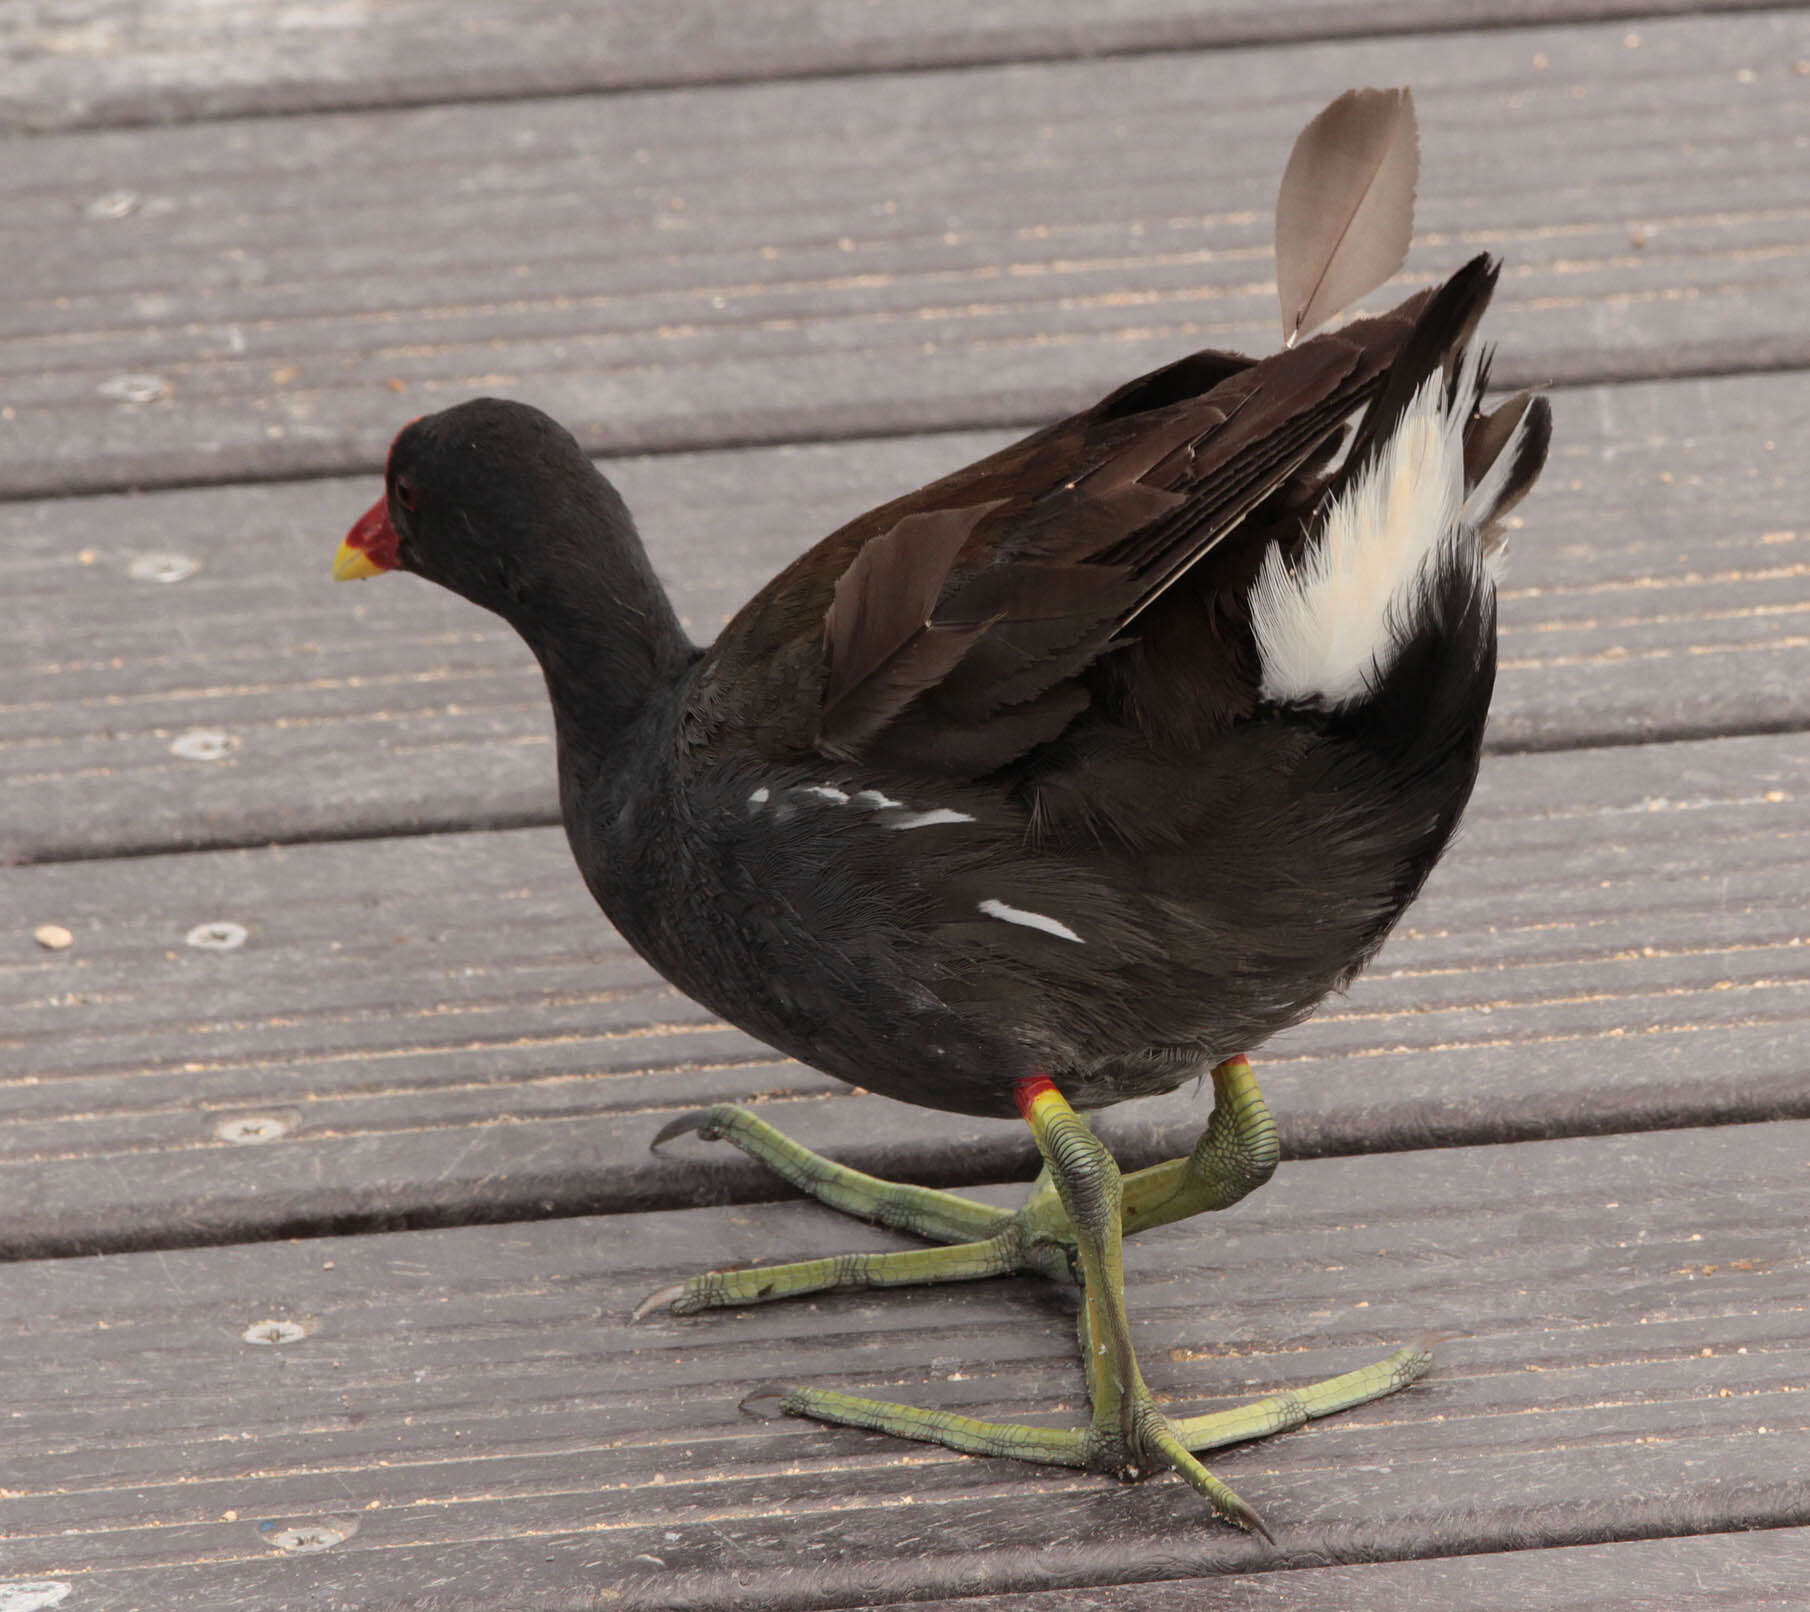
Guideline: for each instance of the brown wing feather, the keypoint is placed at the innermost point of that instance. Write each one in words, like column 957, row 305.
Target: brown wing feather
column 882, row 646
column 956, row 628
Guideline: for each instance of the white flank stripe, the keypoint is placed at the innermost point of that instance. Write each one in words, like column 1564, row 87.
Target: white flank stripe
column 823, row 792
column 1030, row 920
column 875, row 800
column 759, row 797
column 930, row 819
column 1327, row 631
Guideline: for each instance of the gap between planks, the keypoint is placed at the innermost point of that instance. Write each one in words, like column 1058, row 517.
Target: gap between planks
column 126, row 72
column 1654, row 211
column 1654, row 592
column 1611, row 926
column 1632, row 1367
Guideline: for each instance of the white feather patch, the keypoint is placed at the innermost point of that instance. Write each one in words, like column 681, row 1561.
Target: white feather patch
column 1031, row 920
column 1328, row 630
column 930, row 819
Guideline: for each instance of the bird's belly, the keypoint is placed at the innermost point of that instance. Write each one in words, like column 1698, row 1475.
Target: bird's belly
column 832, row 967
column 863, row 1019
column 944, row 963
column 857, row 980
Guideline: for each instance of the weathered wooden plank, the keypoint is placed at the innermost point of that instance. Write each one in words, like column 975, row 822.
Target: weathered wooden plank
column 66, row 65
column 1750, row 1571
column 443, row 1029
column 468, row 1412
column 1747, row 1571
column 770, row 262
column 1657, row 591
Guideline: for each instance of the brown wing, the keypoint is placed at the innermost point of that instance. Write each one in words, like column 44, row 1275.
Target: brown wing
column 953, row 629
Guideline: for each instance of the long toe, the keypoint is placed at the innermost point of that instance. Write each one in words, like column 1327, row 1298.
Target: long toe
column 903, row 1267
column 1157, row 1445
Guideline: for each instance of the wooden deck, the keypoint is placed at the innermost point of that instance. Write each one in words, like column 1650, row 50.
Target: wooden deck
column 324, row 1182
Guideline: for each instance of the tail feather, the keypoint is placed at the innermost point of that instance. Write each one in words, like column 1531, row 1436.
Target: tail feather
column 1441, row 337
column 1504, row 452
column 1426, row 476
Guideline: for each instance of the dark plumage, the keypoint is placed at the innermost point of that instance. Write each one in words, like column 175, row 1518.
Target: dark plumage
column 1055, row 644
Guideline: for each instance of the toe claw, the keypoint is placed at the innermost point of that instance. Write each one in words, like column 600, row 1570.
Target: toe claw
column 778, row 1393
column 705, row 1122
column 1239, row 1512
column 658, row 1301
column 1417, row 1358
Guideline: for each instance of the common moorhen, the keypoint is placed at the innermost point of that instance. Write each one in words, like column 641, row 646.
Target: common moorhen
column 1056, row 782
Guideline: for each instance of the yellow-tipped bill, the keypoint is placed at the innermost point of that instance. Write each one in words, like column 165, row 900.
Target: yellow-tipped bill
column 369, row 549
column 353, row 565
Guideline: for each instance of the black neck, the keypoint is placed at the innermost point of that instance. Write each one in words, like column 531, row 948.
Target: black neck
column 610, row 648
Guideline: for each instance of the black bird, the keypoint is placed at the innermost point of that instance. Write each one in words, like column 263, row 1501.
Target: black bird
column 1060, row 781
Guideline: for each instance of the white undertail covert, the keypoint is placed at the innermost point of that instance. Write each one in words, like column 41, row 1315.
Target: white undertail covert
column 1330, row 628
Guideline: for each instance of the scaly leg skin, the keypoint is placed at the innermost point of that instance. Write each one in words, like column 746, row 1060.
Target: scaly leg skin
column 1128, row 1436
column 1078, row 1212
column 983, row 1240
column 1235, row 1155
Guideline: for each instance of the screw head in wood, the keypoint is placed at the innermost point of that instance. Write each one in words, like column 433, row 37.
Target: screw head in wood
column 305, row 1535
column 134, row 388
column 218, row 935
column 203, row 744
column 162, row 567
column 115, row 204
column 244, row 1128
column 274, row 1332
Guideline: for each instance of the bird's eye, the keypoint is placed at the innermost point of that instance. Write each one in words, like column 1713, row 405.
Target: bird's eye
column 405, row 492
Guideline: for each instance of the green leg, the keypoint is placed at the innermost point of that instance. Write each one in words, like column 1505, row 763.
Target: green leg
column 1235, row 1155
column 1127, row 1436
column 1073, row 1223
column 1282, row 1413
column 985, row 1241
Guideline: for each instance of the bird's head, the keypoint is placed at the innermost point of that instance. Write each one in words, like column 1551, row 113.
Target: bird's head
column 498, row 503
column 492, row 499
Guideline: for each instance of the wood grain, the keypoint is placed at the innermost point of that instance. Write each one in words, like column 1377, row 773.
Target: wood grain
column 1756, row 1572
column 1744, row 1571
column 69, row 65
column 443, row 1029
column 1759, row 1570
column 473, row 1403
column 888, row 253
column 1655, row 591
